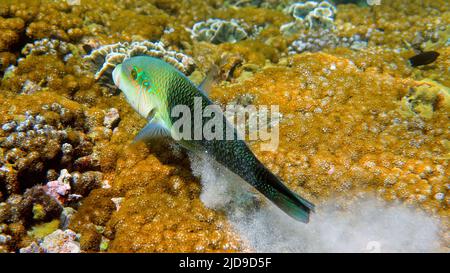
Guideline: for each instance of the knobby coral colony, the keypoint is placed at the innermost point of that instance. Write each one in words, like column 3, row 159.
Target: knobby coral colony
column 310, row 14
column 218, row 31
column 357, row 117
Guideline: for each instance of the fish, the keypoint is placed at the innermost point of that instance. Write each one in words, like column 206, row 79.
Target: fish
column 424, row 58
column 154, row 88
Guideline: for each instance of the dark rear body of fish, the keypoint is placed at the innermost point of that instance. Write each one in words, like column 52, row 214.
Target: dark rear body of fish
column 235, row 155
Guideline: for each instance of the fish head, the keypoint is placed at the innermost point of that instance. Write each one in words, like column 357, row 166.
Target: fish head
column 134, row 73
column 136, row 78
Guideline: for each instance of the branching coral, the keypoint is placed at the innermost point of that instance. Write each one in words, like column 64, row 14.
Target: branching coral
column 108, row 56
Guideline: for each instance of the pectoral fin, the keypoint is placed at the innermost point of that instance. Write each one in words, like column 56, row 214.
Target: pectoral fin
column 153, row 130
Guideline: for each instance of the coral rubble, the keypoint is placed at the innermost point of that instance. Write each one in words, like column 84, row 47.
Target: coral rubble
column 56, row 242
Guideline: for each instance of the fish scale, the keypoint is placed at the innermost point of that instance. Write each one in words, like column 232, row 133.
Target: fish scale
column 234, row 154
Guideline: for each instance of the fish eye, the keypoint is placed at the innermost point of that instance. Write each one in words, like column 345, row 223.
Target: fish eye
column 134, row 73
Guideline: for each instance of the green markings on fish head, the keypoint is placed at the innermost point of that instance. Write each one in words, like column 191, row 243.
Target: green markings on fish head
column 144, row 82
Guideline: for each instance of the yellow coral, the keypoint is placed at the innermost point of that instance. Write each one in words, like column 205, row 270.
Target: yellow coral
column 38, row 212
column 42, row 230
column 426, row 98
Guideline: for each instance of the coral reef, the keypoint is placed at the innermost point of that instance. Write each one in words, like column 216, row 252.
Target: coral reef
column 315, row 30
column 52, row 135
column 11, row 31
column 49, row 47
column 273, row 4
column 33, row 142
column 20, row 22
column 314, row 41
column 43, row 230
column 310, row 14
column 108, row 56
column 218, row 31
column 426, row 98
column 355, row 116
column 316, row 90
column 57, row 242
column 357, row 2
column 162, row 200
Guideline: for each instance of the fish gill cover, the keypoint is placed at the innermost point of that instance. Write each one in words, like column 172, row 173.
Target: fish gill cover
column 363, row 133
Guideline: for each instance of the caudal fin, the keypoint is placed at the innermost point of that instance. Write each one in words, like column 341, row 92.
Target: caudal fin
column 288, row 201
column 296, row 207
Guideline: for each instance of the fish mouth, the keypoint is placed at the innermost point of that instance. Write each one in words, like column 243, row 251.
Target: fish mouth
column 116, row 75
